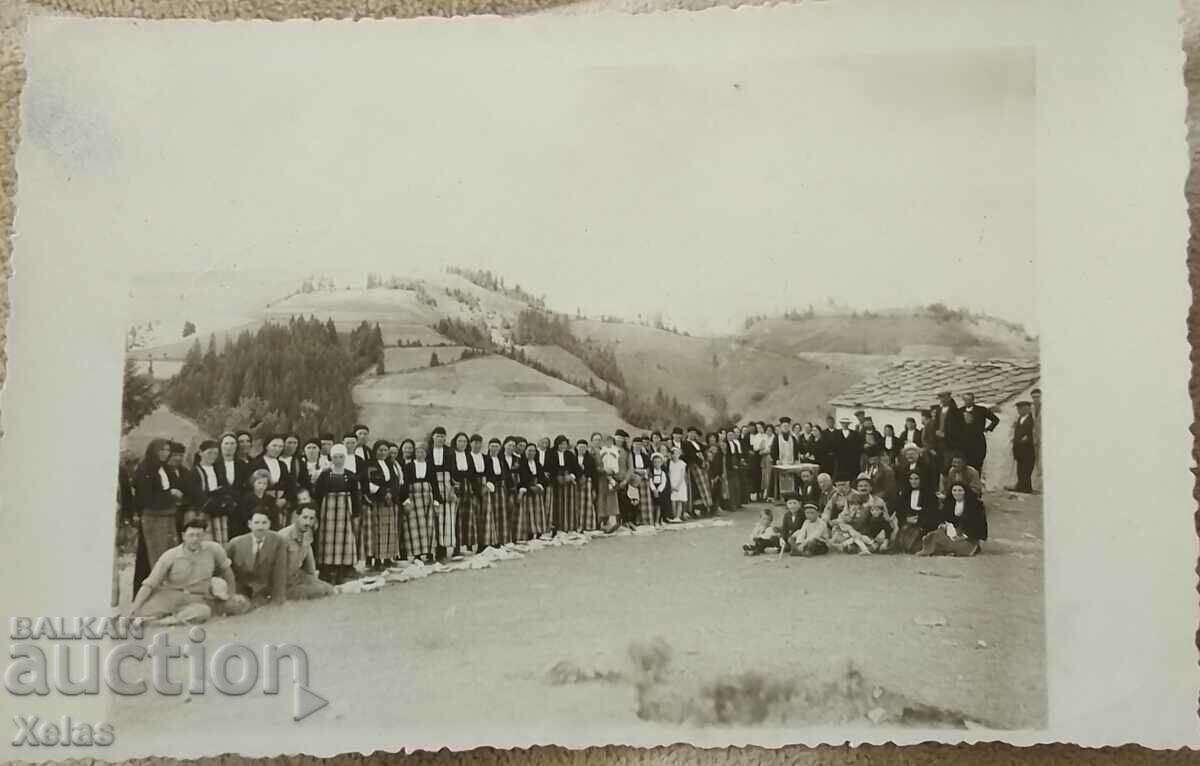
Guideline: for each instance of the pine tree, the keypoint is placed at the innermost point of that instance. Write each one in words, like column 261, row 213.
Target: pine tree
column 138, row 397
column 433, row 360
column 188, row 328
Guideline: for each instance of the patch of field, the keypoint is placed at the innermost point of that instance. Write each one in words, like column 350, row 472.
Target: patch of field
column 404, row 359
column 356, row 305
column 162, row 423
column 562, row 361
column 177, row 350
column 888, row 335
column 159, row 369
column 491, row 395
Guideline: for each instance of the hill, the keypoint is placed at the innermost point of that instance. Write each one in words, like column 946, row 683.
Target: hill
column 162, row 423
column 892, row 333
column 491, row 395
column 565, row 363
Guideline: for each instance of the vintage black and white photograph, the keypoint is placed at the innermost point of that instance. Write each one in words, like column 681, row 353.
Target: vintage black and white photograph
column 648, row 392
column 560, row 439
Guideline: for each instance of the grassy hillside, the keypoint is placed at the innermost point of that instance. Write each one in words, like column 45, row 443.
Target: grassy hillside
column 165, row 424
column 890, row 334
column 492, row 395
column 564, row 362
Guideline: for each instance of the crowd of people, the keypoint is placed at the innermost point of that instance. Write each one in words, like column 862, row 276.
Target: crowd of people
column 295, row 518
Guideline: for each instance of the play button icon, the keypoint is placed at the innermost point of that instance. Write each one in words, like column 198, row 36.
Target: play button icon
column 305, row 702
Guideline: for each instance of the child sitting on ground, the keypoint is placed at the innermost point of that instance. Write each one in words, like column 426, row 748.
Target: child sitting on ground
column 793, row 519
column 811, row 539
column 765, row 535
column 880, row 527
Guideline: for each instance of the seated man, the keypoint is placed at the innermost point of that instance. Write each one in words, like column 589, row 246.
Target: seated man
column 179, row 587
column 259, row 560
column 880, row 475
column 302, row 582
column 959, row 471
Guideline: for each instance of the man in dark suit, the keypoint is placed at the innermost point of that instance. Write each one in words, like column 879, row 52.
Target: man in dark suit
column 259, row 560
column 950, row 423
column 1023, row 449
column 985, row 419
column 847, row 452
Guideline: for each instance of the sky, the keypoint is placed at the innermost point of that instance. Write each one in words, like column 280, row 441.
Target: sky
column 620, row 180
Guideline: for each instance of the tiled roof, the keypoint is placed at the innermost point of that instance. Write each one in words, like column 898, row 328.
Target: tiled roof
column 914, row 384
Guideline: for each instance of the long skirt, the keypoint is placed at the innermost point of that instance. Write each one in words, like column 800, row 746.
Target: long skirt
column 335, row 544
column 768, row 477
column 156, row 534
column 608, row 503
column 699, row 489
column 645, row 504
column 419, row 520
column 753, row 473
column 468, row 512
column 565, row 503
column 585, row 499
column 512, row 504
column 446, row 518
column 381, row 533
column 938, row 543
column 491, row 522
column 218, row 529
column 531, row 517
column 733, row 477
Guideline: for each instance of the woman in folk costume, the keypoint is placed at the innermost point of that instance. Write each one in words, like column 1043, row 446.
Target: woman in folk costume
column 234, row 477
column 408, row 450
column 282, row 489
column 394, row 453
column 716, row 473
column 585, row 487
column 385, row 494
column 157, row 501
column 531, row 494
column 510, row 457
column 561, row 467
column 446, row 518
column 466, row 485
column 699, row 490
column 615, row 473
column 338, row 496
column 639, row 462
column 245, row 446
column 312, row 462
column 659, row 482
column 420, row 509
column 917, row 508
column 891, row 444
column 476, row 481
column 205, row 487
column 493, row 511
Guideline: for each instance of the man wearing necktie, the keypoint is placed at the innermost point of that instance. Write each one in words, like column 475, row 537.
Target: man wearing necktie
column 259, row 562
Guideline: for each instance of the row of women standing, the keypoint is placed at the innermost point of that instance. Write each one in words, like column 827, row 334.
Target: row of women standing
column 387, row 501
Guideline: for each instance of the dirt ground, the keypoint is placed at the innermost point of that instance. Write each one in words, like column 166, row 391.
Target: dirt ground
column 476, row 646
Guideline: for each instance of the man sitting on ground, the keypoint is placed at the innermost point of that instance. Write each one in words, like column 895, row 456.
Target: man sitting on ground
column 259, row 560
column 180, row 587
column 302, row 581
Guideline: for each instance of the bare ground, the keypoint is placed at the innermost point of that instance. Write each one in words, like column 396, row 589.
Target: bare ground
column 477, row 646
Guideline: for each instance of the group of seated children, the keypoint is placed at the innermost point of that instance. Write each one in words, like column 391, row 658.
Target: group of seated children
column 857, row 521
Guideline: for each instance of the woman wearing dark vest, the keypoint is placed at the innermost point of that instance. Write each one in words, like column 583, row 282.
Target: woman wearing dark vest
column 385, row 494
column 420, row 509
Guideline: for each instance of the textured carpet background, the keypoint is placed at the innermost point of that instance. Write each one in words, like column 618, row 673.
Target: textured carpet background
column 12, row 14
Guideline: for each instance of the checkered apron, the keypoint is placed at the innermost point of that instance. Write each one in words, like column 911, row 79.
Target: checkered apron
column 565, row 504
column 531, row 518
column 419, row 520
column 468, row 512
column 335, row 531
column 490, row 520
column 585, row 501
column 699, row 489
column 382, row 536
column 446, row 518
column 645, row 507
